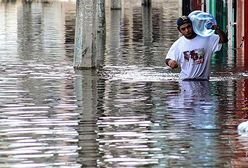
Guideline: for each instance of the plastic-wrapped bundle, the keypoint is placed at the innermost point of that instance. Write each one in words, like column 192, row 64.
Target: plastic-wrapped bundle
column 202, row 23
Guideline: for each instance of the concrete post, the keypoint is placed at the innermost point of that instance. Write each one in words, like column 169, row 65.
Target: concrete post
column 147, row 25
column 147, row 32
column 230, row 31
column 85, row 35
column 101, row 33
column 246, row 31
column 101, row 14
column 116, row 4
column 146, row 2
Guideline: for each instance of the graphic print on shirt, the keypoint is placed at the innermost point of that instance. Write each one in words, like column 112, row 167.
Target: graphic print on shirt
column 197, row 55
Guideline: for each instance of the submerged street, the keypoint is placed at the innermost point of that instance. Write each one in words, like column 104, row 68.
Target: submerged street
column 130, row 112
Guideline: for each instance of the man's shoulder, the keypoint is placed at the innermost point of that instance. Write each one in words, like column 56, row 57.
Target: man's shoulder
column 207, row 37
column 179, row 40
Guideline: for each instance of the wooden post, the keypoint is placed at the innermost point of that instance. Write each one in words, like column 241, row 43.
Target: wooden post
column 85, row 35
column 116, row 4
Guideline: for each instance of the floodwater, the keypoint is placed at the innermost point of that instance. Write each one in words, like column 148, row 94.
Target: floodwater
column 131, row 112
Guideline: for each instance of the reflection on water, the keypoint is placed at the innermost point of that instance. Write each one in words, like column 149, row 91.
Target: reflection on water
column 195, row 103
column 170, row 124
column 134, row 112
column 39, row 121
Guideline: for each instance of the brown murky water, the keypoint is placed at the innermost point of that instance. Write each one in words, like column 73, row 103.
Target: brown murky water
column 133, row 112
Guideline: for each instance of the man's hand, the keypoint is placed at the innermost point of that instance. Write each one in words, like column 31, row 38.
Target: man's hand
column 223, row 36
column 214, row 27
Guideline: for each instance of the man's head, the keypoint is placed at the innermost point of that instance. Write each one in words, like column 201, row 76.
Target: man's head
column 184, row 25
column 182, row 20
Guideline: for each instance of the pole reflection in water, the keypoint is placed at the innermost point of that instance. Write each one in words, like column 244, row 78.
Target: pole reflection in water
column 86, row 91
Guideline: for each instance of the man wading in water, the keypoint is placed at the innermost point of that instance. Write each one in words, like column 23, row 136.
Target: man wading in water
column 193, row 52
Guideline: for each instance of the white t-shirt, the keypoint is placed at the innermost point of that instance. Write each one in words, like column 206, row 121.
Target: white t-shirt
column 193, row 55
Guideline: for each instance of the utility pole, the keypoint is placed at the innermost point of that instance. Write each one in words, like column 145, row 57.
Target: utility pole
column 85, row 35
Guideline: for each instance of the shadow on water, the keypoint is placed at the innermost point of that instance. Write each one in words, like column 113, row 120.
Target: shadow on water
column 133, row 112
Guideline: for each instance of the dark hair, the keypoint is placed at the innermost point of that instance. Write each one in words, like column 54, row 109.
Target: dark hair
column 182, row 20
